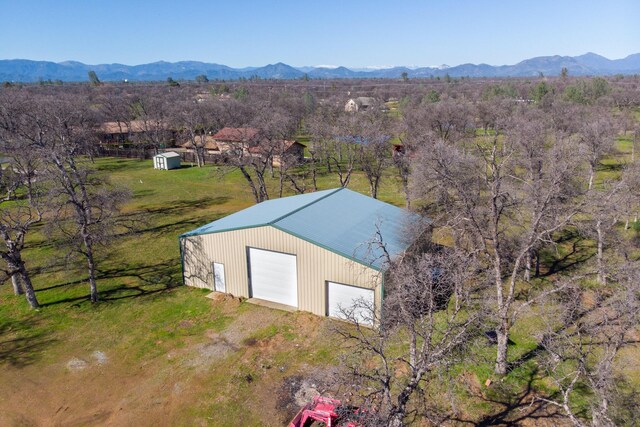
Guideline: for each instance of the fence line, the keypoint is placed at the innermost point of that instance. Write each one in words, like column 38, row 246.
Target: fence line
column 146, row 154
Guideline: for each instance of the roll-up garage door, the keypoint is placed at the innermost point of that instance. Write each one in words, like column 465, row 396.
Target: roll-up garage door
column 342, row 297
column 273, row 276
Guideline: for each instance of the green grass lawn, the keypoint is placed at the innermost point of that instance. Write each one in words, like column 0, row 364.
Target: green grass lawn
column 176, row 357
column 144, row 315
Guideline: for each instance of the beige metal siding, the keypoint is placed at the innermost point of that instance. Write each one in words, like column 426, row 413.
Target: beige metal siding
column 315, row 265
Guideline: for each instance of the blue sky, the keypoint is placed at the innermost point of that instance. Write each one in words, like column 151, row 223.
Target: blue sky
column 353, row 33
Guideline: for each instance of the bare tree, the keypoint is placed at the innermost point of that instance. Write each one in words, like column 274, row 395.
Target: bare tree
column 628, row 124
column 584, row 338
column 429, row 318
column 22, row 206
column 151, row 115
column 198, row 121
column 321, row 127
column 612, row 201
column 277, row 127
column 605, row 209
column 527, row 131
column 450, row 120
column 375, row 151
column 492, row 114
column 374, row 158
column 597, row 137
column 20, row 210
column 495, row 208
column 403, row 168
column 634, row 141
column 414, row 133
column 290, row 167
column 342, row 146
column 253, row 158
column 629, row 198
column 116, row 108
column 60, row 133
column 342, row 154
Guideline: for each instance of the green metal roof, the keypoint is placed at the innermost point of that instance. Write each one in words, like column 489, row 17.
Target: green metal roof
column 340, row 220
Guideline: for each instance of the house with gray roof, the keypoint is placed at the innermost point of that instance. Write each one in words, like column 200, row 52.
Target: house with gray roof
column 361, row 103
column 316, row 252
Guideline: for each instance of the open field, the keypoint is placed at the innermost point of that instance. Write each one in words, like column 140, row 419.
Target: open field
column 153, row 352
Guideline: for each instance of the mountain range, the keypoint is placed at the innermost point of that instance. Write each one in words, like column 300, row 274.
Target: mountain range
column 590, row 64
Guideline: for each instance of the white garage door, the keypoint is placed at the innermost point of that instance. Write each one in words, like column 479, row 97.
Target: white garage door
column 343, row 297
column 273, row 276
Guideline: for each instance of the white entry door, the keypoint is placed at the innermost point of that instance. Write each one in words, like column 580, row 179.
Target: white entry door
column 341, row 299
column 274, row 276
column 218, row 277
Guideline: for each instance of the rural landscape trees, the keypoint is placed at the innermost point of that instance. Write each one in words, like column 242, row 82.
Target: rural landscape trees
column 586, row 333
column 430, row 320
column 529, row 188
column 57, row 133
column 503, row 195
column 21, row 209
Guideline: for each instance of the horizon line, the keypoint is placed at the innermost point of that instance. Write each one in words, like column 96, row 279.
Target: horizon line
column 351, row 67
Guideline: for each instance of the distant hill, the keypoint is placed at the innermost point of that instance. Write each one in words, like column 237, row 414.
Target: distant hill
column 22, row 70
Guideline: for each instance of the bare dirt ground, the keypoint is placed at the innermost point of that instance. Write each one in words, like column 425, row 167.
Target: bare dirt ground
column 184, row 386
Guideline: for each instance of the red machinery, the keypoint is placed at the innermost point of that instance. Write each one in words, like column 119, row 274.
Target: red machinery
column 325, row 410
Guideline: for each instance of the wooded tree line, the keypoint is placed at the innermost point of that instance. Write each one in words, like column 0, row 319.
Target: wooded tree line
column 508, row 184
column 508, row 172
column 339, row 143
column 49, row 183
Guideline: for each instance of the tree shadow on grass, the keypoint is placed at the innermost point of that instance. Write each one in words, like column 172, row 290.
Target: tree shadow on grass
column 138, row 222
column 21, row 343
column 159, row 274
column 579, row 253
column 123, row 164
column 182, row 206
column 611, row 167
column 143, row 192
column 62, row 285
column 525, row 357
column 153, row 278
column 514, row 404
column 113, row 294
column 172, row 227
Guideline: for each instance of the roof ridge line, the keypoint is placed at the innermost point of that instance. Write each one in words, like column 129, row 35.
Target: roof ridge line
column 304, row 206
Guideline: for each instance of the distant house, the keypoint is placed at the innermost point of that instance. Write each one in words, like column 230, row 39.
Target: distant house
column 166, row 161
column 121, row 132
column 227, row 138
column 361, row 103
column 251, row 141
column 210, row 145
column 203, row 97
column 116, row 133
column 283, row 153
column 293, row 152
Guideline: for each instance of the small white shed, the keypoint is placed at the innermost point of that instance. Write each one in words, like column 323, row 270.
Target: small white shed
column 168, row 160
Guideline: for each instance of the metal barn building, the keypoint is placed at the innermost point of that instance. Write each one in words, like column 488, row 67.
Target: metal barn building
column 313, row 251
column 166, row 161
